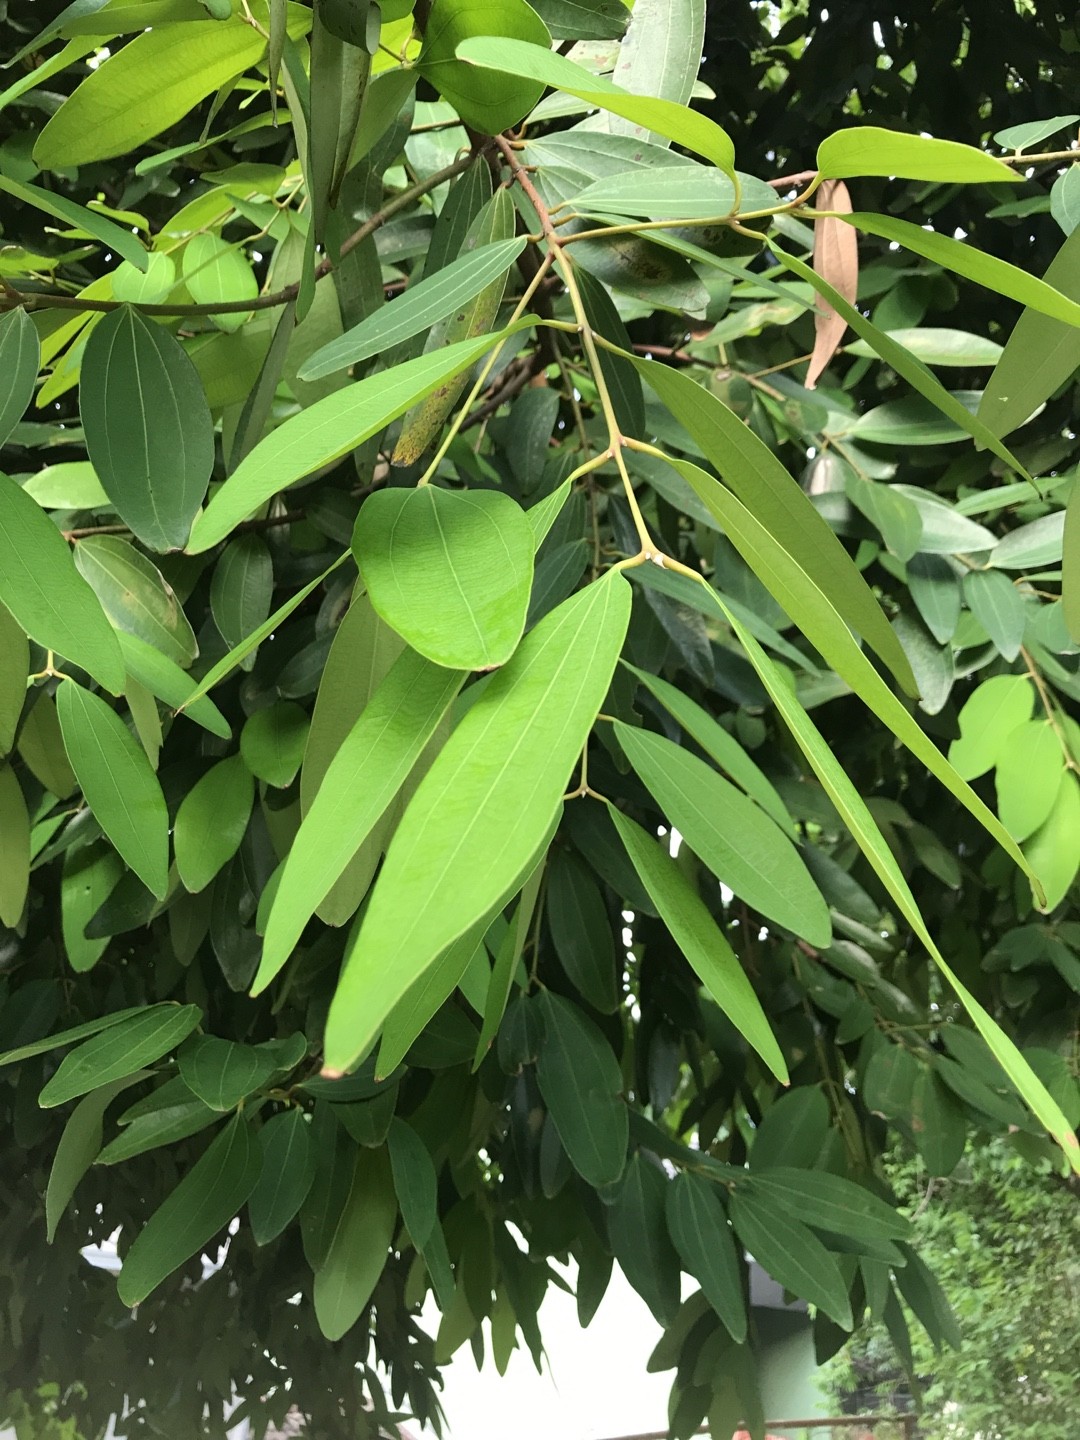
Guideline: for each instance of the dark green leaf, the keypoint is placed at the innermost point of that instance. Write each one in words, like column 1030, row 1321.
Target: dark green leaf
column 698, row 1225
column 288, row 1170
column 639, row 1237
column 580, row 1081
column 358, row 1248
column 791, row 1254
column 124, row 1047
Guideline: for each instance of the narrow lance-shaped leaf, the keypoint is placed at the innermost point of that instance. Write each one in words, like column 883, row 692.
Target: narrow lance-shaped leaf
column 73, row 1033
column 450, row 571
column 79, row 1146
column 288, row 1170
column 580, row 1080
column 853, row 811
column 507, row 961
column 482, row 808
column 701, row 941
column 872, row 150
column 792, row 1255
column 123, row 1047
column 359, row 1246
column 698, row 1226
column 1070, row 564
column 113, row 236
column 14, row 848
column 836, row 260
column 754, row 473
column 204, row 1202
column 116, row 779
column 165, row 679
column 20, row 357
column 42, row 589
column 148, row 427
column 329, row 429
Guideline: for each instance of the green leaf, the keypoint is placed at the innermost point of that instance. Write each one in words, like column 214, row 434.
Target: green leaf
column 999, row 608
column 989, row 716
column 148, row 427
column 426, row 996
column 207, row 1198
column 146, row 285
column 126, row 1045
column 117, row 782
column 359, row 1246
column 1065, row 199
column 14, row 848
column 738, row 842
column 1040, row 355
column 581, row 930
column 70, row 486
column 1032, row 546
column 937, row 347
column 680, row 192
column 450, row 571
column 699, row 1227
column 135, row 596
column 258, row 407
column 20, row 358
column 242, row 590
column 78, row 1148
column 508, row 959
column 41, row 747
column 211, row 821
column 272, row 742
column 415, row 1181
column 14, row 669
column 793, row 1131
column 660, row 56
column 935, row 588
column 172, row 1113
column 221, row 1072
column 1022, row 137
column 482, row 808
column 581, row 1083
column 44, row 592
column 791, row 1254
column 762, row 484
column 701, row 941
column 1053, row 854
column 720, row 746
column 487, row 105
column 638, row 1233
column 996, row 275
column 853, row 811
column 893, row 514
column 422, row 305
column 1070, row 564
column 163, row 678
column 583, row 19
column 90, row 874
column 144, row 88
column 114, row 237
column 902, row 361
column 217, row 273
column 329, row 429
column 829, row 1202
column 74, row 1033
column 943, row 530
column 938, row 1124
column 367, row 771
column 288, row 1170
column 871, row 150
column 675, row 122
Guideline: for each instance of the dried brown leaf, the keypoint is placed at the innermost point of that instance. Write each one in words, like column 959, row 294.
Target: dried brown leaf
column 836, row 259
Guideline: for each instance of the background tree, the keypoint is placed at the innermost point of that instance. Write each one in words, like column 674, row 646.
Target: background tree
column 261, row 547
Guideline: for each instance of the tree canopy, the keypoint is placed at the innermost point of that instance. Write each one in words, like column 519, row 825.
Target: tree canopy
column 539, row 614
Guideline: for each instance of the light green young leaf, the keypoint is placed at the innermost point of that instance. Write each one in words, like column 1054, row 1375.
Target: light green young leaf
column 272, row 742
column 216, row 273
column 204, row 1202
column 1022, row 137
column 902, row 361
column 44, row 592
column 700, row 939
column 699, row 1229
column 791, row 1254
column 665, row 117
column 359, row 1246
column 78, row 1148
column 14, row 670
column 126, row 1045
column 450, row 571
column 482, row 808
column 1030, row 773
column 581, row 1083
column 990, row 714
column 288, row 1170
column 14, row 848
column 148, row 428
column 422, row 306
column 117, row 783
column 163, row 678
column 762, row 484
column 735, row 839
column 853, row 811
column 1070, row 563
column 935, row 346
column 367, row 771
column 72, row 485
column 329, row 429
column 871, row 150
column 211, row 821
column 659, row 56
column 135, row 596
column 485, row 104
column 20, row 357
column 1053, row 853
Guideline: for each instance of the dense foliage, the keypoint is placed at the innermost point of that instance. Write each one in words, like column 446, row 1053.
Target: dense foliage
column 412, row 509
column 1001, row 1236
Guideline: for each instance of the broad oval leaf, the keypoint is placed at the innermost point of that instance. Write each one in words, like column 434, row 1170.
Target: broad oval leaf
column 136, row 596
column 148, row 428
column 450, row 571
column 1052, row 850
column 677, row 192
column 204, row 1202
column 359, row 1246
column 1032, row 546
column 989, row 716
column 791, row 1254
column 580, row 1080
column 871, row 150
column 221, row 1072
column 20, row 356
column 272, row 742
column 482, row 808
column 999, row 608
column 699, row 1228
column 211, row 821
column 288, row 1170
column 738, row 842
column 117, row 782
column 329, row 429
column 69, row 486
column 242, row 590
column 422, row 305
column 701, row 941
column 487, row 105
column 217, row 273
column 45, row 593
column 1030, row 771
column 123, row 1047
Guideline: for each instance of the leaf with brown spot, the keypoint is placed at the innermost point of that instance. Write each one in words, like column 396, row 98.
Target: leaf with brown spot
column 836, row 259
